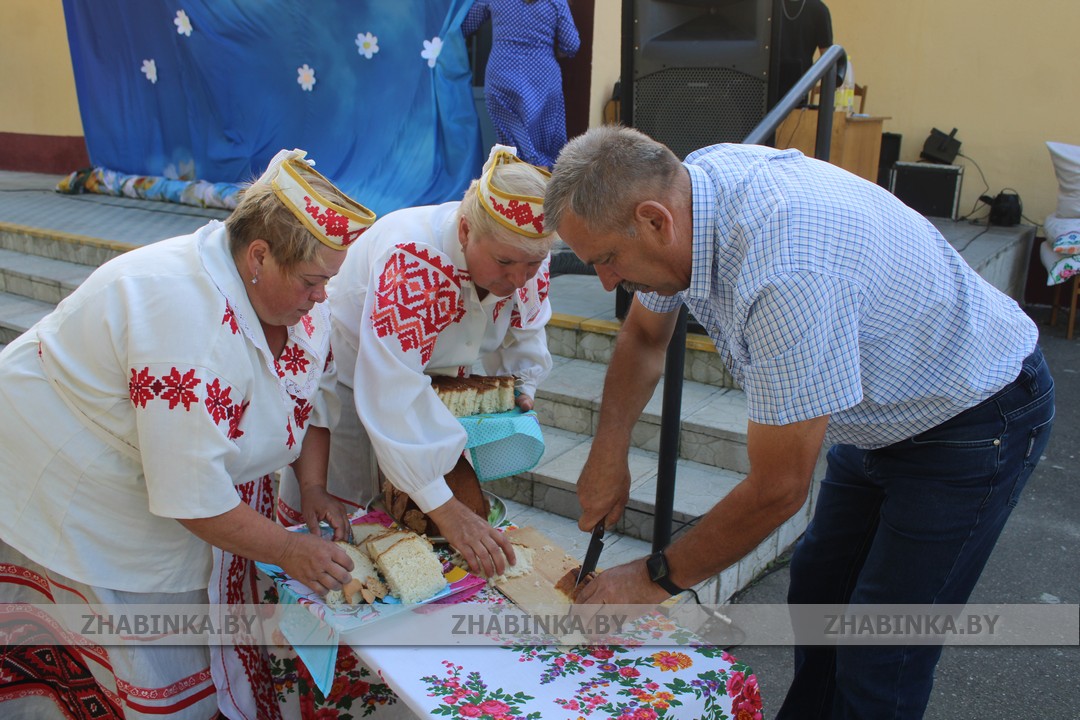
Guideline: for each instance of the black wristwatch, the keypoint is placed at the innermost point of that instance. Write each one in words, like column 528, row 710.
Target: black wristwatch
column 658, row 572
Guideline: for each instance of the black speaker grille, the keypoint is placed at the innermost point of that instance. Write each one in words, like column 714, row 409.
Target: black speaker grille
column 688, row 108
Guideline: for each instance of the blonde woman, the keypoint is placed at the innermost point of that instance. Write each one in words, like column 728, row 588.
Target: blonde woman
column 145, row 416
column 435, row 290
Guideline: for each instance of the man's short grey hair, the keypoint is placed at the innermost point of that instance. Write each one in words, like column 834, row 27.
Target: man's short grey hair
column 601, row 177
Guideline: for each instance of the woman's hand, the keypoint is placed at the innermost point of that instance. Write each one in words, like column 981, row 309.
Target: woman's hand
column 316, row 562
column 487, row 550
column 523, row 401
column 317, row 504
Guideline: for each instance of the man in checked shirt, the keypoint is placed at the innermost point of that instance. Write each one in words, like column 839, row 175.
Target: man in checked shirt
column 849, row 321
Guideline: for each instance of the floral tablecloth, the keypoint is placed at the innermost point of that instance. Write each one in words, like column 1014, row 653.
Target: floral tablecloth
column 654, row 670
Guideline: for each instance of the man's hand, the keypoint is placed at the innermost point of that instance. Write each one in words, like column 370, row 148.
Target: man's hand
column 603, row 488
column 627, row 584
column 317, row 504
column 487, row 550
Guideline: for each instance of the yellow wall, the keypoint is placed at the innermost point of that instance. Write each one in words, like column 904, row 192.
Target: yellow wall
column 37, row 95
column 1003, row 74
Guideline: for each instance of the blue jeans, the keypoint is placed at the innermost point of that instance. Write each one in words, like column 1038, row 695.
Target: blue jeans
column 914, row 523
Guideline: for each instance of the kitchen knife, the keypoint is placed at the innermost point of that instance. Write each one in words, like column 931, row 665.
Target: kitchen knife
column 592, row 555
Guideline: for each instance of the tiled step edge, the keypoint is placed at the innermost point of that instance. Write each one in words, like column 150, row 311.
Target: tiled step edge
column 552, row 487
column 40, row 278
column 713, row 428
column 594, row 340
column 18, row 314
column 59, row 245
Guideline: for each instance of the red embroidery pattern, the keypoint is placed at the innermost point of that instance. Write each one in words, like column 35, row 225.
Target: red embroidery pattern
column 418, row 296
column 142, row 387
column 294, row 360
column 291, row 440
column 240, row 589
column 173, row 387
column 332, row 222
column 309, row 325
column 521, row 214
column 301, row 412
column 542, row 284
column 498, row 308
column 329, row 360
column 180, row 388
column 218, row 402
column 236, row 414
column 230, row 318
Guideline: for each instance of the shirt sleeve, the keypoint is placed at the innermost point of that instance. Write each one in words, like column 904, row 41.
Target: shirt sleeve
column 412, row 296
column 476, row 16
column 566, row 34
column 184, row 417
column 801, row 342
column 524, row 351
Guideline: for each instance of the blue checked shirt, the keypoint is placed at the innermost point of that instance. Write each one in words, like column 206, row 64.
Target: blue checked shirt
column 824, row 294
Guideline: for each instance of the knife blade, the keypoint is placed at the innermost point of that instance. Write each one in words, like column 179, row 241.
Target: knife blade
column 592, row 555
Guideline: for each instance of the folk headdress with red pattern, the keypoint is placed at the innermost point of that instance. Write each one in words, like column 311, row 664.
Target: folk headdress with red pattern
column 336, row 226
column 521, row 213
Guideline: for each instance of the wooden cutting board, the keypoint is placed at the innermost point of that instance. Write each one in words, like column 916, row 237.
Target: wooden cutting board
column 535, row 592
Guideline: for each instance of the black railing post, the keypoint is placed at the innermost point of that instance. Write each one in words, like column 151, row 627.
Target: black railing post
column 669, row 434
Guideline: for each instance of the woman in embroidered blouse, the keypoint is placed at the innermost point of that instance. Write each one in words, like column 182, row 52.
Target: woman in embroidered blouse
column 435, row 290
column 146, row 415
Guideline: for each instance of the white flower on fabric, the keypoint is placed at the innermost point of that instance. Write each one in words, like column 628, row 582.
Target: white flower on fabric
column 182, row 23
column 431, row 50
column 149, row 69
column 306, row 77
column 367, row 44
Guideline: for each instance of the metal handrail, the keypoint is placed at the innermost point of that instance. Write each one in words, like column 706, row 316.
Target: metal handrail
column 671, row 414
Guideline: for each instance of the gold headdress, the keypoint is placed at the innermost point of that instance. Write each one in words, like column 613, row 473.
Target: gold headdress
column 336, row 226
column 520, row 213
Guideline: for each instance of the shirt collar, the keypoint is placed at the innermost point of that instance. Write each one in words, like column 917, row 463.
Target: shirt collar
column 704, row 217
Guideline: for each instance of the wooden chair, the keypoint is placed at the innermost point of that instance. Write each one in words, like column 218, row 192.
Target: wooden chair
column 1075, row 293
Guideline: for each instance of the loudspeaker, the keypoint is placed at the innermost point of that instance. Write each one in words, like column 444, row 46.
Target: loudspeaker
column 930, row 188
column 695, row 72
column 887, row 157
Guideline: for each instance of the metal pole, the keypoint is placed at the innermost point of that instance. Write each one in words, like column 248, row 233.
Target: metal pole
column 670, row 420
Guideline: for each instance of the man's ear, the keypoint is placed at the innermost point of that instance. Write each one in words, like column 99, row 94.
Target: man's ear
column 656, row 220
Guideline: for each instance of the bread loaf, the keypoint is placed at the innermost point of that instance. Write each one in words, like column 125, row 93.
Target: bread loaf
column 463, row 483
column 408, row 563
column 476, row 394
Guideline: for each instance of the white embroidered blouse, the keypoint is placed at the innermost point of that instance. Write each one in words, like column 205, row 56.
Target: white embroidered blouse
column 404, row 307
column 145, row 396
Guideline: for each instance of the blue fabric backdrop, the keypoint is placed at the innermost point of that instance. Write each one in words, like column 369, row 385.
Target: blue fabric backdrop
column 225, row 96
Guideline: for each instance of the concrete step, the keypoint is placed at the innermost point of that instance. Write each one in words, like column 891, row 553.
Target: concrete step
column 584, row 329
column 40, row 278
column 18, row 313
column 713, row 428
column 59, row 245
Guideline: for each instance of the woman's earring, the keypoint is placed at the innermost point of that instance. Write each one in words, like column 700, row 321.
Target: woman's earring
column 255, row 277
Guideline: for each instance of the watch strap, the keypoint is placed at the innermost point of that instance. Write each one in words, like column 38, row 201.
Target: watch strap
column 658, row 572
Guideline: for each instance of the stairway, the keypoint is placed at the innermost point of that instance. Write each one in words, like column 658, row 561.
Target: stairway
column 40, row 267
